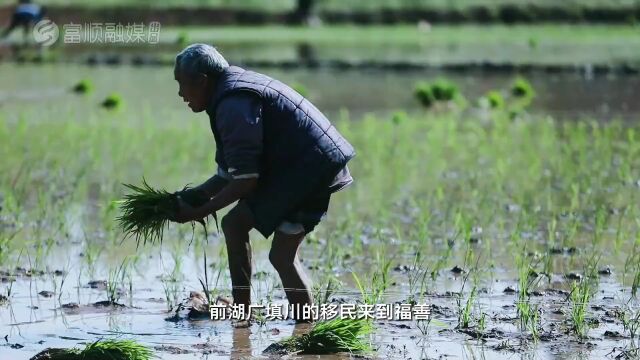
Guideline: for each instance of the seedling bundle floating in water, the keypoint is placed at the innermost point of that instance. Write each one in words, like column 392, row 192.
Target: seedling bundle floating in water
column 100, row 350
column 328, row 337
column 146, row 211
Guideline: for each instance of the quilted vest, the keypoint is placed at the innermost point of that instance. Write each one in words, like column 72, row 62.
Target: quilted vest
column 298, row 138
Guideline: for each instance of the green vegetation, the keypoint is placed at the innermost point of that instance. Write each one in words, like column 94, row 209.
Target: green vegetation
column 522, row 88
column 444, row 90
column 84, row 86
column 580, row 296
column 100, row 350
column 146, row 212
column 438, row 190
column 441, row 90
column 113, row 101
column 493, row 100
column 329, row 337
column 567, row 45
column 398, row 10
column 528, row 313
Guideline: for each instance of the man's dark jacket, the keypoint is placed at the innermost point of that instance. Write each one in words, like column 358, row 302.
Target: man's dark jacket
column 302, row 151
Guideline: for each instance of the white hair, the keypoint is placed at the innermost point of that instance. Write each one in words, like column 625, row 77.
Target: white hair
column 200, row 58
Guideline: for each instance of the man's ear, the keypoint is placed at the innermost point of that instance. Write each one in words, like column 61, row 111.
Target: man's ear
column 202, row 79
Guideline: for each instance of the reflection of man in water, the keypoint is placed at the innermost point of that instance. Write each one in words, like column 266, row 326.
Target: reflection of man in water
column 26, row 16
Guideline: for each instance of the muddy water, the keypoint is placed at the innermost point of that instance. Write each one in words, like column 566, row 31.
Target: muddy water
column 33, row 322
column 353, row 92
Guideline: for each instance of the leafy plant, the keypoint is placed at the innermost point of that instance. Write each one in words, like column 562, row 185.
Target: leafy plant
column 100, row 350
column 579, row 300
column 522, row 88
column 113, row 101
column 328, row 337
column 424, row 94
column 84, row 86
column 146, row 211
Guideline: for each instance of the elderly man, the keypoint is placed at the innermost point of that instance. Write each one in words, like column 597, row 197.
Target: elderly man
column 276, row 153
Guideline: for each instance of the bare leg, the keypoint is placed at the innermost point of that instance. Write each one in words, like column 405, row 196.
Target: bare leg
column 284, row 257
column 236, row 225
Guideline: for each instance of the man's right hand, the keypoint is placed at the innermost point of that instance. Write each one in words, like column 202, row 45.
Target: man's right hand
column 195, row 197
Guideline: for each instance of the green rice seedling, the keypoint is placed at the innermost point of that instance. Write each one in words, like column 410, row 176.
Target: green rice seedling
column 579, row 301
column 601, row 221
column 482, row 323
column 171, row 292
column 146, row 211
column 5, row 246
column 417, row 278
column 444, row 90
column 424, row 93
column 492, row 100
column 527, row 279
column 442, row 260
column 465, row 314
column 63, row 278
column 84, row 86
column 8, row 292
column 116, row 281
column 328, row 337
column 636, row 282
column 632, row 265
column 581, row 294
column 440, row 90
column 423, row 326
column 322, row 294
column 91, row 254
column 551, row 243
column 171, row 280
column 373, row 293
column 522, row 88
column 112, row 102
column 100, row 350
column 630, row 321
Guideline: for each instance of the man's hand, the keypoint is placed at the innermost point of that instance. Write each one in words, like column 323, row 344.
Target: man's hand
column 186, row 213
column 234, row 191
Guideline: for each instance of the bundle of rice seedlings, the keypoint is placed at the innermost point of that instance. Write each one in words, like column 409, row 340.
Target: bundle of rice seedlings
column 113, row 101
column 522, row 88
column 424, row 94
column 100, row 350
column 146, row 211
column 83, row 87
column 328, row 337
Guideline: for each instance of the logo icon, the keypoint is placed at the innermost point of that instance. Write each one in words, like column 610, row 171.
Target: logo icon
column 45, row 32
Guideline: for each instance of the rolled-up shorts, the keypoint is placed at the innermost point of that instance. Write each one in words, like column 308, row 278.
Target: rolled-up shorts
column 307, row 215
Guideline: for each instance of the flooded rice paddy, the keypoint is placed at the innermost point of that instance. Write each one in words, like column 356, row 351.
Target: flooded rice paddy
column 521, row 230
